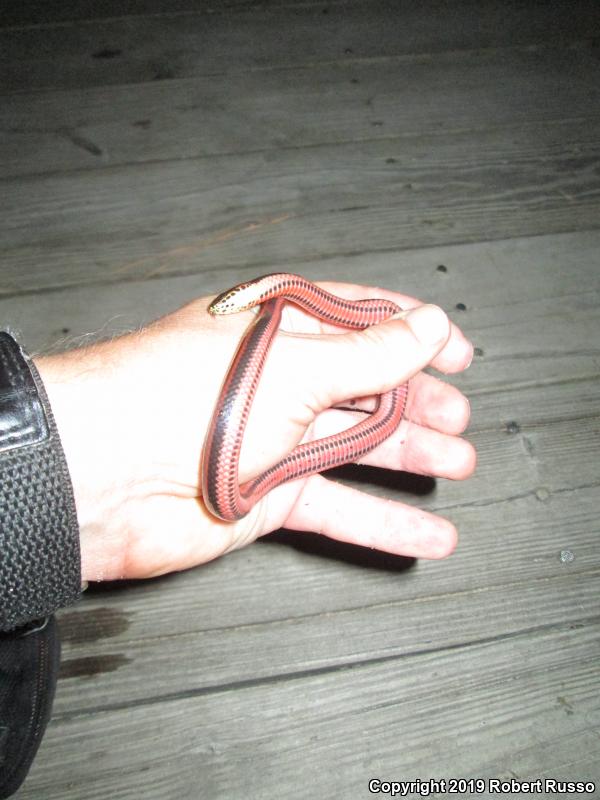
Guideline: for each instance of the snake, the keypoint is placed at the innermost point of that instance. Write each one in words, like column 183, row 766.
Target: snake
column 222, row 493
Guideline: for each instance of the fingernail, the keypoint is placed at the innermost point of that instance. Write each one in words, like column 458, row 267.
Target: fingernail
column 428, row 323
column 471, row 358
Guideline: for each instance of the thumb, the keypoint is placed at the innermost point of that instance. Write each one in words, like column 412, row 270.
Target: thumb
column 377, row 359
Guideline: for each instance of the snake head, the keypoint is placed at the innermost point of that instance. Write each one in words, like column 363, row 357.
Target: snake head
column 232, row 301
column 241, row 297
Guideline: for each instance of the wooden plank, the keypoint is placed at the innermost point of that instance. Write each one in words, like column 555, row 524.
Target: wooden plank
column 31, row 13
column 138, row 665
column 25, row 13
column 145, row 47
column 268, row 110
column 467, row 711
column 259, row 213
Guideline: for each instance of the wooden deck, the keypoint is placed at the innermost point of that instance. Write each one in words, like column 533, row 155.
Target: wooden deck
column 166, row 150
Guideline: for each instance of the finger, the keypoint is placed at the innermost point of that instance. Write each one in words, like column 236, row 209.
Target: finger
column 431, row 403
column 458, row 351
column 374, row 360
column 348, row 515
column 411, row 447
column 435, row 404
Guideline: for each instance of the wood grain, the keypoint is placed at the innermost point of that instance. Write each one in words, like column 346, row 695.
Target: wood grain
column 153, row 153
column 527, row 89
column 473, row 710
column 135, row 45
column 33, row 13
column 259, row 212
column 127, row 671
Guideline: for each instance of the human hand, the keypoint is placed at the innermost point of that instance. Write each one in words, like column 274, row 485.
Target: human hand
column 132, row 415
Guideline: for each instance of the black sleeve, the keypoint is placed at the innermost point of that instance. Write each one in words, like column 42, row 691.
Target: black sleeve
column 29, row 661
column 40, row 564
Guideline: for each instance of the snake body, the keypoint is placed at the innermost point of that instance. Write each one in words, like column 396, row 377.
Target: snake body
column 222, row 493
